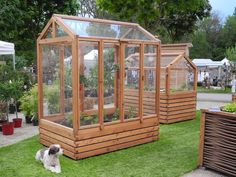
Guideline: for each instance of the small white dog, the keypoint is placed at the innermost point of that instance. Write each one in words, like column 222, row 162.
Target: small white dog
column 50, row 157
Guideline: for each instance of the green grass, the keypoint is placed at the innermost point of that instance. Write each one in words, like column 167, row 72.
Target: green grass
column 173, row 155
column 205, row 90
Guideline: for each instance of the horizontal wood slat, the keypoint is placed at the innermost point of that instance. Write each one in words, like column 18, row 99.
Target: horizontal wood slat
column 57, row 137
column 57, row 128
column 55, row 141
column 66, row 152
column 116, row 128
column 116, row 147
column 116, row 142
column 115, row 136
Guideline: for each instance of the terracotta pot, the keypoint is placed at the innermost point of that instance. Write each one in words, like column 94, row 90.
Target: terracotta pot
column 8, row 128
column 17, row 122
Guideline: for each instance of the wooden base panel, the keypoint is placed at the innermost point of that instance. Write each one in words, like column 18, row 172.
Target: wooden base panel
column 115, row 147
column 94, row 141
column 173, row 108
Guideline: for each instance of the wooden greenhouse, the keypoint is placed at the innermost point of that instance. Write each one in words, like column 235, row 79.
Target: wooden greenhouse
column 85, row 78
column 178, row 84
column 178, row 87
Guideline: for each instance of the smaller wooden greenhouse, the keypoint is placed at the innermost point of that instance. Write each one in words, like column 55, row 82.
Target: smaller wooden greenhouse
column 177, row 84
column 178, row 88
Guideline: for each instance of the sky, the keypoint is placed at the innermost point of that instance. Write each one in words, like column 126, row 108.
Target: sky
column 224, row 7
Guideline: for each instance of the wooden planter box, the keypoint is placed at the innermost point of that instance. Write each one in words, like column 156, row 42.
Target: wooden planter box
column 93, row 141
column 177, row 107
column 173, row 108
column 217, row 148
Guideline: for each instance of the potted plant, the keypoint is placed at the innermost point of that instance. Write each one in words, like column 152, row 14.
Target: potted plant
column 26, row 107
column 34, row 104
column 3, row 112
column 16, row 89
column 5, row 96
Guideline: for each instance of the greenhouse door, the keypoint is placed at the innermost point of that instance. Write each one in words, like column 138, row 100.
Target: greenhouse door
column 139, row 82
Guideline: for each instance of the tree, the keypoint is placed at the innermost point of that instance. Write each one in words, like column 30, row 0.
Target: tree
column 89, row 8
column 231, row 54
column 229, row 32
column 21, row 21
column 207, row 38
column 160, row 16
column 201, row 48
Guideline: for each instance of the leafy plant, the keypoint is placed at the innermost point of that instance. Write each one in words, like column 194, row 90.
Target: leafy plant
column 11, row 92
column 29, row 102
column 231, row 107
column 131, row 112
column 52, row 96
column 116, row 115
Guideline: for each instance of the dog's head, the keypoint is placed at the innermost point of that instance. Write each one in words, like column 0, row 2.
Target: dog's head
column 55, row 149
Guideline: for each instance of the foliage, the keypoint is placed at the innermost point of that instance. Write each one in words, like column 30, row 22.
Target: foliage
column 7, row 74
column 11, row 92
column 231, row 53
column 231, row 107
column 212, row 38
column 89, row 8
column 177, row 148
column 160, row 16
column 206, row 39
column 52, row 96
column 116, row 115
column 21, row 21
column 131, row 112
column 29, row 102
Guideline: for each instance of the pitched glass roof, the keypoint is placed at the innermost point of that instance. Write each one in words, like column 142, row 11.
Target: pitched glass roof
column 114, row 30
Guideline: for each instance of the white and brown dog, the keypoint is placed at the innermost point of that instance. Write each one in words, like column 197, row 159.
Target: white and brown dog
column 50, row 157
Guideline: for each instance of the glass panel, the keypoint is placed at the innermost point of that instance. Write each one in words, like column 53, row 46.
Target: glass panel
column 60, row 32
column 182, row 76
column 132, row 71
column 167, row 59
column 150, row 57
column 51, row 79
column 163, row 80
column 68, row 85
column 111, row 71
column 96, row 29
column 49, row 32
column 88, row 83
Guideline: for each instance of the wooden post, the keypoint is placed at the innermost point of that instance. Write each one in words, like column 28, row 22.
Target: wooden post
column 158, row 73
column 53, row 29
column 202, row 135
column 141, row 80
column 122, row 75
column 116, row 84
column 40, row 79
column 62, row 84
column 167, row 81
column 100, row 85
column 75, row 88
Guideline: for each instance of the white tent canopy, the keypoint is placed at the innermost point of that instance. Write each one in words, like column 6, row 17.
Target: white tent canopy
column 7, row 48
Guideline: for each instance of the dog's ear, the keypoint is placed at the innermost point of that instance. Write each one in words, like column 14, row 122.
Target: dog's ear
column 53, row 150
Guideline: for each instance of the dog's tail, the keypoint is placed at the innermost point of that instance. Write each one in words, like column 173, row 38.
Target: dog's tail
column 38, row 156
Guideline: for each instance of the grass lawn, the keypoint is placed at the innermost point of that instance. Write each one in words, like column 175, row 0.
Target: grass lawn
column 205, row 90
column 173, row 155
